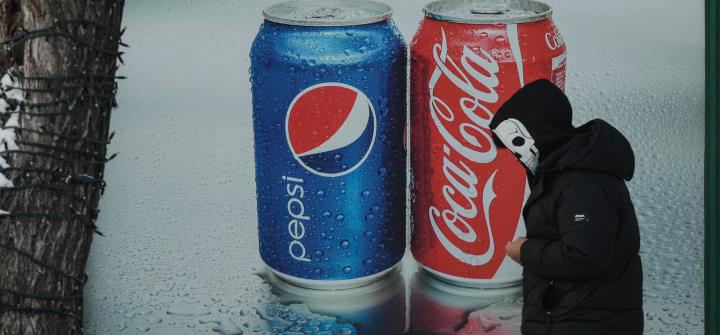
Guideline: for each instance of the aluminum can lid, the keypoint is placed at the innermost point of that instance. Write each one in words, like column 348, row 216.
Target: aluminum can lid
column 487, row 11
column 329, row 13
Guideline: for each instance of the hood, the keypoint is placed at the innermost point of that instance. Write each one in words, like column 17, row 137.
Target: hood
column 544, row 111
column 599, row 147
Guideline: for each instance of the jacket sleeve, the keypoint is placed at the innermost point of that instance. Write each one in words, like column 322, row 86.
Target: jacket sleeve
column 588, row 224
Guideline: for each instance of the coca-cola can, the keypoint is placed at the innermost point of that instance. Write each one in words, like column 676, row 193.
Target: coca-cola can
column 467, row 58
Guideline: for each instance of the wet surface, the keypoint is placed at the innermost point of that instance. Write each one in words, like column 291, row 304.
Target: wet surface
column 180, row 251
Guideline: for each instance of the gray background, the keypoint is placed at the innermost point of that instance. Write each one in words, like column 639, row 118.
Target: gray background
column 179, row 211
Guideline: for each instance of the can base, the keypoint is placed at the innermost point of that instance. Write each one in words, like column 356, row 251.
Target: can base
column 333, row 284
column 474, row 283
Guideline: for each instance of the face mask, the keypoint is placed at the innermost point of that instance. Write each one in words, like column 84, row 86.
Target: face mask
column 516, row 138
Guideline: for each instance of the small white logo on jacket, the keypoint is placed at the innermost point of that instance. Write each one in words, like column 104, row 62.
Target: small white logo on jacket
column 580, row 217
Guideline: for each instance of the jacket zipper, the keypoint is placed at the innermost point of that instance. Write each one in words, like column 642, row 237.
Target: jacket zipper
column 548, row 321
column 548, row 315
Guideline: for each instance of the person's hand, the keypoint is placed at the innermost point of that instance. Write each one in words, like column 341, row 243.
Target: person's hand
column 513, row 249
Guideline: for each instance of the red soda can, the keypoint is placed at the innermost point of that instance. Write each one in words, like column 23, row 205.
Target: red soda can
column 467, row 58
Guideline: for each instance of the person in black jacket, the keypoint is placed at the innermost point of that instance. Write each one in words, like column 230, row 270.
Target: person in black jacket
column 581, row 270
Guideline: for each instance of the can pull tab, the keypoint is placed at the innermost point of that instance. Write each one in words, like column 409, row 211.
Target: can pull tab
column 326, row 13
column 494, row 9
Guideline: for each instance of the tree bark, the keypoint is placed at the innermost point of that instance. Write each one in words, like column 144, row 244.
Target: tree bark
column 52, row 220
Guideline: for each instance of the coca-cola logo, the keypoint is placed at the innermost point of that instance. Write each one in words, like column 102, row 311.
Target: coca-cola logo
column 473, row 143
column 554, row 40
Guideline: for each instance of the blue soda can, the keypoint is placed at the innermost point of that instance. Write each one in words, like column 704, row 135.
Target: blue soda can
column 329, row 116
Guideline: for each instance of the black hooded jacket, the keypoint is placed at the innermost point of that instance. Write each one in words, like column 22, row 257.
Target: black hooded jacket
column 582, row 272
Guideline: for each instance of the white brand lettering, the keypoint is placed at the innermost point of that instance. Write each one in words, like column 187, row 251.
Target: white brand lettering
column 554, row 40
column 474, row 144
column 296, row 209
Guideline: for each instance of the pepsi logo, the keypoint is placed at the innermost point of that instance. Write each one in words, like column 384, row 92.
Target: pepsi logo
column 331, row 128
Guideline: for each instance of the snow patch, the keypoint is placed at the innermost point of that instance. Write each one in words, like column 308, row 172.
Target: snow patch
column 12, row 89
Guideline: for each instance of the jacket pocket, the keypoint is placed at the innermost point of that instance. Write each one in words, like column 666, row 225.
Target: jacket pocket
column 551, row 296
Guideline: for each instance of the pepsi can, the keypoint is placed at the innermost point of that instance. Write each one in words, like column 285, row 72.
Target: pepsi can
column 329, row 115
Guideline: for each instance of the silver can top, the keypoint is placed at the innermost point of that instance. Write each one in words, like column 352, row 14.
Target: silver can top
column 487, row 11
column 327, row 12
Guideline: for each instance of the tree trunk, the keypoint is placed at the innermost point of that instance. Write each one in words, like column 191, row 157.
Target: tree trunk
column 67, row 74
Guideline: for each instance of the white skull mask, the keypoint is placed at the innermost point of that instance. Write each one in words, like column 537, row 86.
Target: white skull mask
column 517, row 139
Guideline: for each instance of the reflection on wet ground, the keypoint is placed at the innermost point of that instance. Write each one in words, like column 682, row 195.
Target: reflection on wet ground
column 378, row 308
column 394, row 305
column 406, row 301
column 440, row 308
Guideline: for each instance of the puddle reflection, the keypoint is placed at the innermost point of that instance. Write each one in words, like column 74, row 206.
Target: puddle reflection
column 422, row 306
column 439, row 308
column 378, row 308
